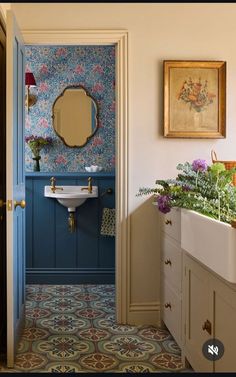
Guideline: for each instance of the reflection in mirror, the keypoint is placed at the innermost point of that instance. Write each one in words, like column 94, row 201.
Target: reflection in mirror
column 75, row 116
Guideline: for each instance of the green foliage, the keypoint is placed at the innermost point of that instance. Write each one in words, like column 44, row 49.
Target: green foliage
column 208, row 191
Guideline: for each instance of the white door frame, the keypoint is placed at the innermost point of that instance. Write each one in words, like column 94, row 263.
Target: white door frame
column 120, row 39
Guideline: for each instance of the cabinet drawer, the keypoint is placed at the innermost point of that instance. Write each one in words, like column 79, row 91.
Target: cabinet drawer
column 170, row 223
column 171, row 311
column 171, row 255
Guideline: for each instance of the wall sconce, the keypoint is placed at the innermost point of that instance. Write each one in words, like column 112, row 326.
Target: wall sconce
column 30, row 99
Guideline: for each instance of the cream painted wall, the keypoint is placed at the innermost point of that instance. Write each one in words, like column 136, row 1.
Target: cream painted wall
column 156, row 32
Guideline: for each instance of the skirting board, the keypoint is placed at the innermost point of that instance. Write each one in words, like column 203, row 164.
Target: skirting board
column 144, row 314
column 70, row 276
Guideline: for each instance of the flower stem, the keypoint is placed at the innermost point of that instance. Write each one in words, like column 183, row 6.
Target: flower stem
column 196, row 179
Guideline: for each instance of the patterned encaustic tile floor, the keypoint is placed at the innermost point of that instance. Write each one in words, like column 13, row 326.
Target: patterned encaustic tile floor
column 72, row 328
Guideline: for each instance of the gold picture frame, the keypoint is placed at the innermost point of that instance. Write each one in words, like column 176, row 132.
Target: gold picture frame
column 194, row 99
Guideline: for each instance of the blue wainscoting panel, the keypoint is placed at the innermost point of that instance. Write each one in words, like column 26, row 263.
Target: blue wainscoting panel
column 53, row 254
column 43, row 226
column 65, row 247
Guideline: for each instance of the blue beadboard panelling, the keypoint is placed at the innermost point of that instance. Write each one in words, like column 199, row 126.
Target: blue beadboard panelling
column 53, row 254
column 43, row 222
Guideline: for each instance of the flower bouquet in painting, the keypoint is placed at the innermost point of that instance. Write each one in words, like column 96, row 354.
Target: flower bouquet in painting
column 205, row 189
column 36, row 143
column 196, row 94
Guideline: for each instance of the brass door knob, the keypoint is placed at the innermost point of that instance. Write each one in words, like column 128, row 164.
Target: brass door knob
column 2, row 203
column 168, row 261
column 168, row 222
column 207, row 326
column 168, row 305
column 20, row 203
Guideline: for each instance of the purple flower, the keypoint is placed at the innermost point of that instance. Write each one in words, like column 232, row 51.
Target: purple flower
column 199, row 165
column 186, row 188
column 163, row 202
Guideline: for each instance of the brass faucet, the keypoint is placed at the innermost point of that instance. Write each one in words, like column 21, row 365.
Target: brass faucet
column 53, row 185
column 89, row 187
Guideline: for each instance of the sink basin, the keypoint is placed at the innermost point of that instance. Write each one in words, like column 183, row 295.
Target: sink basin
column 71, row 196
column 210, row 241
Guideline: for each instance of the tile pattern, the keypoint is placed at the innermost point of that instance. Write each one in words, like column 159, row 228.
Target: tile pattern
column 72, row 328
column 56, row 67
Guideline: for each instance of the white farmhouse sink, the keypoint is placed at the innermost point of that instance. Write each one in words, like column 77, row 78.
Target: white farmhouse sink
column 71, row 196
column 210, row 241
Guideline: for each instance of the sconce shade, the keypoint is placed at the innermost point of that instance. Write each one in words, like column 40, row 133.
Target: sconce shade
column 29, row 79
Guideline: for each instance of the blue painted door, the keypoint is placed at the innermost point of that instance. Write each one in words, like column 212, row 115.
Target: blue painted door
column 15, row 187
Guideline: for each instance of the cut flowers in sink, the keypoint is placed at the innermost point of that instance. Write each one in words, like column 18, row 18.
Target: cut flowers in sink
column 207, row 189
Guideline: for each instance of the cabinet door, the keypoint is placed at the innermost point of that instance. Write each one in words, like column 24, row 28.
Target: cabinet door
column 171, row 223
column 171, row 310
column 171, row 256
column 224, row 323
column 197, row 306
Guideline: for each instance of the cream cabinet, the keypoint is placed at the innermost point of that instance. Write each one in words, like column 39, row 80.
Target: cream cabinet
column 209, row 304
column 171, row 273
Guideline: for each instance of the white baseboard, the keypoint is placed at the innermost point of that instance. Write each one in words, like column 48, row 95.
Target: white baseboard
column 147, row 313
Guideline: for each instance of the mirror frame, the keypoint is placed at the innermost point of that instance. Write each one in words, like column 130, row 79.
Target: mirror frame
column 97, row 115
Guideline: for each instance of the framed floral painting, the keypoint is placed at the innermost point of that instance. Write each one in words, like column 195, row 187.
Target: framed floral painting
column 194, row 99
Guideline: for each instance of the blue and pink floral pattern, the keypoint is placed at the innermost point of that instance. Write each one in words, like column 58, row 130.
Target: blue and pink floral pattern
column 54, row 68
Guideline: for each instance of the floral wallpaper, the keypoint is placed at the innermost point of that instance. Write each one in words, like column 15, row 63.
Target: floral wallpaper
column 54, row 68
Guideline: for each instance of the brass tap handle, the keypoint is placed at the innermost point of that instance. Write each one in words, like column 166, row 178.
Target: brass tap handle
column 53, row 181
column 168, row 261
column 168, row 305
column 207, row 326
column 168, row 222
column 90, row 188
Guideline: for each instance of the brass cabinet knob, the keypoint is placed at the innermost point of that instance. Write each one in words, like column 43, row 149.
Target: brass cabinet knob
column 168, row 222
column 168, row 261
column 168, row 305
column 207, row 326
column 20, row 203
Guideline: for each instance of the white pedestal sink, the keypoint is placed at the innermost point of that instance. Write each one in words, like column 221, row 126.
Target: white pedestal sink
column 71, row 196
column 210, row 241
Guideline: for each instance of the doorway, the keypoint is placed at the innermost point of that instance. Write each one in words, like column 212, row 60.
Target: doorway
column 120, row 39
column 57, row 254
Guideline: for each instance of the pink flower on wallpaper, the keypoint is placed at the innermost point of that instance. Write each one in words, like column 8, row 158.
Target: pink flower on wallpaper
column 43, row 123
column 97, row 141
column 43, row 69
column 98, row 69
column 79, row 69
column 61, row 51
column 113, row 106
column 61, row 160
column 43, row 87
column 113, row 160
column 27, row 122
column 98, row 87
